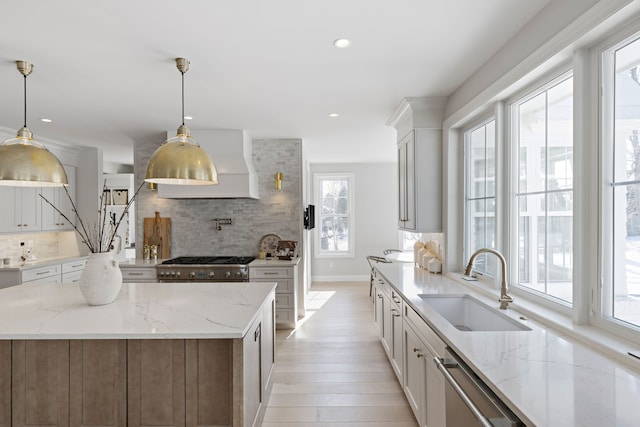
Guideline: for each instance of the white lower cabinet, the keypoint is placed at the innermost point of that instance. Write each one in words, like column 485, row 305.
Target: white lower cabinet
column 411, row 345
column 424, row 385
column 71, row 271
column 53, row 273
column 285, row 275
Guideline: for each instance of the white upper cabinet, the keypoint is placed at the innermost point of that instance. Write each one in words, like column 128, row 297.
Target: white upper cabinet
column 52, row 220
column 19, row 209
column 418, row 122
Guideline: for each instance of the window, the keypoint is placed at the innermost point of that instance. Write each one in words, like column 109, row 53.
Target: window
column 334, row 196
column 480, row 195
column 621, row 196
column 543, row 207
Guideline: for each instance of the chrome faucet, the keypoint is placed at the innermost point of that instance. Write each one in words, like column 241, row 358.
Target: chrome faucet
column 505, row 298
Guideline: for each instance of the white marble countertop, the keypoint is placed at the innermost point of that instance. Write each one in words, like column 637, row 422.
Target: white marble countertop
column 142, row 310
column 140, row 262
column 546, row 378
column 15, row 266
column 274, row 262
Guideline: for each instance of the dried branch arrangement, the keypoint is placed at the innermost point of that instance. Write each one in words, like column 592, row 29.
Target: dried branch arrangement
column 97, row 235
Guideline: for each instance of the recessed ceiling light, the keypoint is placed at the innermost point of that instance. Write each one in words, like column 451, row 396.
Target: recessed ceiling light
column 46, row 120
column 333, row 115
column 342, row 43
column 188, row 118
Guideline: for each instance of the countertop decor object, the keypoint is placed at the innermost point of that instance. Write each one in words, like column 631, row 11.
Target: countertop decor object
column 180, row 160
column 157, row 231
column 97, row 235
column 269, row 244
column 101, row 279
column 25, row 162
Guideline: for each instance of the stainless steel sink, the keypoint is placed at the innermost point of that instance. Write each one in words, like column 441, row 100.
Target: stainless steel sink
column 466, row 313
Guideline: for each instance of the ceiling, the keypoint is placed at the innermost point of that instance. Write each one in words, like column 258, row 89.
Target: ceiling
column 104, row 72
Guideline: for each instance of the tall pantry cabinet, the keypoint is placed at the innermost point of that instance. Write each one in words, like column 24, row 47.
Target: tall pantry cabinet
column 418, row 122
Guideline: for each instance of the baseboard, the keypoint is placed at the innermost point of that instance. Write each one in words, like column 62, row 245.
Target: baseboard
column 364, row 278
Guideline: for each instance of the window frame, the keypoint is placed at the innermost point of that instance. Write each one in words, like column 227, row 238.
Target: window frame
column 602, row 291
column 318, row 178
column 534, row 88
column 466, row 136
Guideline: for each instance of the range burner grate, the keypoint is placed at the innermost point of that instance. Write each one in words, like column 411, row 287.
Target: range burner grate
column 209, row 260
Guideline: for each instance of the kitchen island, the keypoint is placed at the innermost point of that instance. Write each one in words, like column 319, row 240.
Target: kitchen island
column 161, row 354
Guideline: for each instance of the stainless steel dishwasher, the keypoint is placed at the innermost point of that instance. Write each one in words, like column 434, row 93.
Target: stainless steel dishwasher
column 469, row 401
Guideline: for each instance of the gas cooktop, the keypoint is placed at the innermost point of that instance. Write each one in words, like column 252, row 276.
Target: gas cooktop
column 209, row 260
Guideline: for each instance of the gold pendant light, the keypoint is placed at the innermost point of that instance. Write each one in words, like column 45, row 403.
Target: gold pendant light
column 180, row 160
column 25, row 162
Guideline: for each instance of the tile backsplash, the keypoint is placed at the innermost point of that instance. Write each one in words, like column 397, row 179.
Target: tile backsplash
column 44, row 245
column 193, row 231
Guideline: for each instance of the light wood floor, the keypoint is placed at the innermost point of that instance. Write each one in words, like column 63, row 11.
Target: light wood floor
column 332, row 370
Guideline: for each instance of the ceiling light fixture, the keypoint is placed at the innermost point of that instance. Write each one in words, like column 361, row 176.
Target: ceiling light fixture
column 188, row 118
column 25, row 162
column 180, row 160
column 46, row 120
column 342, row 43
column 334, row 115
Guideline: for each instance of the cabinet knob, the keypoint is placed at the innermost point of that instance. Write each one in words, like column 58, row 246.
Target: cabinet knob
column 415, row 349
column 379, row 295
column 419, row 355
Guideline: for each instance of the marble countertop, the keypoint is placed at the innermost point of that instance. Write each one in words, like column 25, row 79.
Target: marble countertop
column 16, row 266
column 141, row 311
column 274, row 262
column 545, row 377
column 139, row 262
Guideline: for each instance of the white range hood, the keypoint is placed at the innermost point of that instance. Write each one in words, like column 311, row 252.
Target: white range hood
column 231, row 152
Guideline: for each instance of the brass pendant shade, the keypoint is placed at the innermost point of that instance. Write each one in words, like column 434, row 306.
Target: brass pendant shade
column 180, row 160
column 25, row 162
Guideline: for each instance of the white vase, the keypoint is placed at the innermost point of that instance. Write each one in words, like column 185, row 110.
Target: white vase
column 101, row 279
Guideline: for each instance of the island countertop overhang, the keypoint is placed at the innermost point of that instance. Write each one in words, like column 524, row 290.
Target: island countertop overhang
column 141, row 311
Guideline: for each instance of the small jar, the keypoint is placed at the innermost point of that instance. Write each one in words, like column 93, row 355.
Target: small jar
column 416, row 248
column 153, row 249
column 146, row 252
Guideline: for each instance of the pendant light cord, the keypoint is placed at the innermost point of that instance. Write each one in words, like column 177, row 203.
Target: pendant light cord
column 182, row 98
column 25, row 101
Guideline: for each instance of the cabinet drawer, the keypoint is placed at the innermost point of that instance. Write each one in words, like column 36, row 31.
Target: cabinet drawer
column 270, row 272
column 284, row 316
column 69, row 267
column 42, row 272
column 136, row 274
column 49, row 279
column 284, row 286
column 436, row 345
column 71, row 277
column 284, row 301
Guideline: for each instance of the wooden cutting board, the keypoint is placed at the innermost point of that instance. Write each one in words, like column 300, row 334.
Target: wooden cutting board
column 157, row 231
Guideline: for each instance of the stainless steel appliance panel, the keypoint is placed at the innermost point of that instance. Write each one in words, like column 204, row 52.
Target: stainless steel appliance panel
column 469, row 401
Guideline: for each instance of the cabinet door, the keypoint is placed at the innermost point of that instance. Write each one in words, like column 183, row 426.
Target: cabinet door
column 268, row 345
column 252, row 376
column 40, row 383
column 396, row 347
column 98, row 383
column 414, row 374
column 51, row 219
column 378, row 301
column 209, row 375
column 8, row 220
column 29, row 208
column 406, row 179
column 156, row 383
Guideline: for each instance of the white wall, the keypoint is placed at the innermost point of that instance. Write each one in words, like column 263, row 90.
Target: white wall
column 376, row 221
